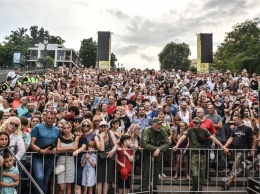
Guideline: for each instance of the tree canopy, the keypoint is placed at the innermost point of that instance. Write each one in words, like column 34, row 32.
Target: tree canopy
column 88, row 52
column 241, row 48
column 113, row 61
column 19, row 40
column 175, row 56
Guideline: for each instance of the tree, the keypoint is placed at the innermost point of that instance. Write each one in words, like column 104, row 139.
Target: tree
column 47, row 60
column 241, row 48
column 175, row 56
column 88, row 52
column 19, row 40
column 113, row 61
column 39, row 35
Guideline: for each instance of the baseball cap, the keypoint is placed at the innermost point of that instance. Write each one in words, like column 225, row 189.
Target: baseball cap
column 103, row 123
column 157, row 120
column 77, row 120
column 196, row 120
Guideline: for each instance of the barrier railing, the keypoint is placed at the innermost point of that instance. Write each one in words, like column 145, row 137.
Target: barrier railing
column 218, row 170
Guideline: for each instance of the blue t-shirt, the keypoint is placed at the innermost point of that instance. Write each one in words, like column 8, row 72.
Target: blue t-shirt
column 45, row 135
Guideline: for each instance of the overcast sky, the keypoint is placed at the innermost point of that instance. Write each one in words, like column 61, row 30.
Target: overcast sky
column 141, row 28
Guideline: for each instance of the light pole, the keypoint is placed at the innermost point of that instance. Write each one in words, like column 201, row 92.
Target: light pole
column 45, row 42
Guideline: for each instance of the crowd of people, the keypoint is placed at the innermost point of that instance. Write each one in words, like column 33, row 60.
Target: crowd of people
column 69, row 113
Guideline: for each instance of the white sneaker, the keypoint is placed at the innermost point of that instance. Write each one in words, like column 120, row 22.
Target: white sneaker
column 163, row 175
column 160, row 176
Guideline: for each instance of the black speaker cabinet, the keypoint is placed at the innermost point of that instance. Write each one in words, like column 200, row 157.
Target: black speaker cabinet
column 103, row 46
column 206, row 48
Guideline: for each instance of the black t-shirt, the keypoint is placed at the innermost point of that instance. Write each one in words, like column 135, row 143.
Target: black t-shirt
column 254, row 84
column 241, row 137
column 220, row 109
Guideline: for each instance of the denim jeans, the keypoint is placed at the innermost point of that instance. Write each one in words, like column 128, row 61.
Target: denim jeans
column 42, row 168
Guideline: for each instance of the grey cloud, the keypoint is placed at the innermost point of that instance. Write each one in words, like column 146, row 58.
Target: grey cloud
column 82, row 3
column 125, row 50
column 118, row 14
column 224, row 4
column 149, row 58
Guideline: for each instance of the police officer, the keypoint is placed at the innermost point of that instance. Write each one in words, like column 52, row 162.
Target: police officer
column 27, row 78
column 34, row 79
column 6, row 85
column 155, row 141
column 197, row 137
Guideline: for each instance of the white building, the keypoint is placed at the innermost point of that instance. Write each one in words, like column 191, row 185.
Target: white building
column 58, row 53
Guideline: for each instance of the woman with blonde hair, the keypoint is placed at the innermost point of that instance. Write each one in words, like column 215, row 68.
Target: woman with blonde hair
column 134, row 133
column 12, row 126
column 66, row 144
column 203, row 94
column 88, row 131
column 96, row 120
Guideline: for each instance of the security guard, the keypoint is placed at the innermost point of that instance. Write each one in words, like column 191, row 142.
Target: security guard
column 155, row 142
column 34, row 79
column 198, row 157
column 27, row 78
column 6, row 85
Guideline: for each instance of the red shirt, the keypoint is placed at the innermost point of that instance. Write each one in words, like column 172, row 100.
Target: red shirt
column 111, row 109
column 206, row 124
column 124, row 159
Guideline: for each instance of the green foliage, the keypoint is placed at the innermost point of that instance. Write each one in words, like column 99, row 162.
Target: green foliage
column 88, row 52
column 19, row 40
column 175, row 56
column 113, row 61
column 193, row 69
column 37, row 36
column 48, row 61
column 241, row 48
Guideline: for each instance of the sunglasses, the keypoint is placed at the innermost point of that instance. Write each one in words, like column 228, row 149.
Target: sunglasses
column 196, row 123
column 14, row 124
column 85, row 125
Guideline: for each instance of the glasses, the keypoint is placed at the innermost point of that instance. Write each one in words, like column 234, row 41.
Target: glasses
column 14, row 124
column 85, row 125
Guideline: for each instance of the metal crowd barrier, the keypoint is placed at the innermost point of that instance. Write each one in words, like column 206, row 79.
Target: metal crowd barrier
column 219, row 171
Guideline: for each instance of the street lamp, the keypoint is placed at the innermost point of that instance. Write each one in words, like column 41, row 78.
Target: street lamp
column 45, row 42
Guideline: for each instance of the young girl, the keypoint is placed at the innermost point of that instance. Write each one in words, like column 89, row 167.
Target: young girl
column 78, row 131
column 89, row 161
column 183, row 146
column 66, row 143
column 124, row 159
column 8, row 184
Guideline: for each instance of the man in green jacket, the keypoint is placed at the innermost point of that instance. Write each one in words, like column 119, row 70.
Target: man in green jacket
column 155, row 141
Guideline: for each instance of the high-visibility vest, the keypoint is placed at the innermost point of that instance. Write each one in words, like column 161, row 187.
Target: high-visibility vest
column 19, row 82
column 34, row 80
column 28, row 79
column 5, row 86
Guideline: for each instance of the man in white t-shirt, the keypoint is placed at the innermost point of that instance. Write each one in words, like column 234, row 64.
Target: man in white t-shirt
column 15, row 76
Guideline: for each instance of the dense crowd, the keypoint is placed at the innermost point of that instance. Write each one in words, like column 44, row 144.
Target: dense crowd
column 76, row 111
